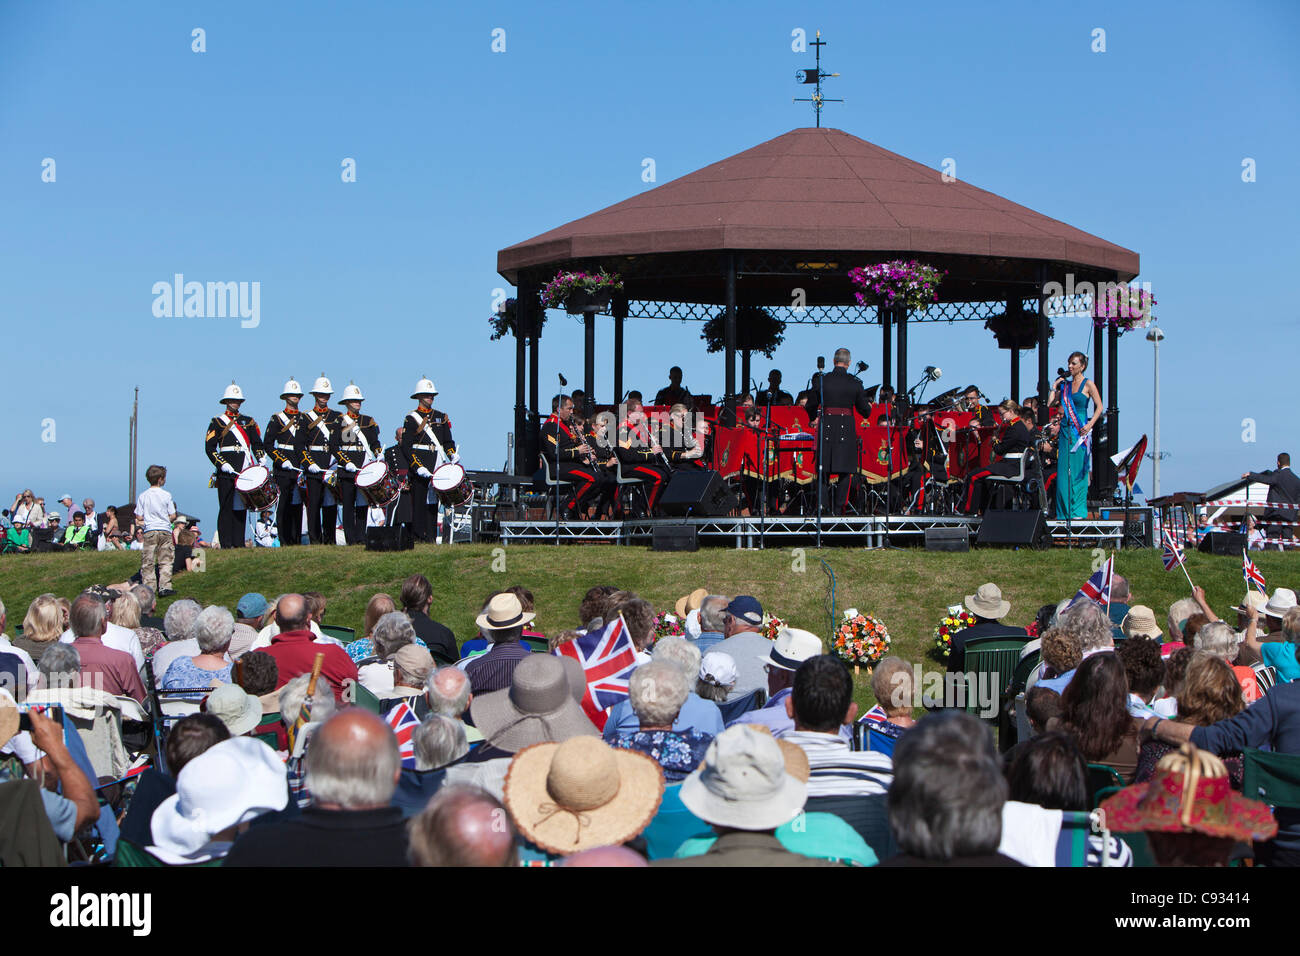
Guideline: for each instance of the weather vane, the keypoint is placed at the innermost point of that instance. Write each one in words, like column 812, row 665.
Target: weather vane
column 815, row 75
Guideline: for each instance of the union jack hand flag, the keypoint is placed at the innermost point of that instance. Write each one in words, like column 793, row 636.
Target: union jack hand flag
column 403, row 721
column 1252, row 574
column 1097, row 588
column 1173, row 554
column 608, row 657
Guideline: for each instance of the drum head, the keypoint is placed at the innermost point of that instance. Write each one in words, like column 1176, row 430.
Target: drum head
column 447, row 477
column 372, row 474
column 252, row 478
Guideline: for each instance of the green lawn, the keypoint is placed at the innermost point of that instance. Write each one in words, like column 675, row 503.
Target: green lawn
column 908, row 589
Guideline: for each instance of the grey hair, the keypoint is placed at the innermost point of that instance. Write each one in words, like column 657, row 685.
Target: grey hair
column 178, row 622
column 1119, row 590
column 893, row 684
column 1180, row 611
column 657, row 691
column 1219, row 639
column 213, row 629
column 59, row 661
column 87, row 616
column 683, row 653
column 293, row 693
column 713, row 612
column 1090, row 625
column 441, row 702
column 948, row 791
column 438, row 742
column 144, row 594
column 391, row 633
column 339, row 772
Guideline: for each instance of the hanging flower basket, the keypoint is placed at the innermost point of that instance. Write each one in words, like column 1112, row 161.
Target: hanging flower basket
column 1019, row 330
column 1122, row 307
column 861, row 640
column 756, row 330
column 957, row 618
column 580, row 292
column 503, row 321
column 904, row 282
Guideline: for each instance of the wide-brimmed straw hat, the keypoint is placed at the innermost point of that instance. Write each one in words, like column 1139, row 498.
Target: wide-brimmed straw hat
column 538, row 708
column 987, row 602
column 229, row 783
column 1189, row 793
column 690, row 602
column 1140, row 621
column 503, row 611
column 1253, row 599
column 581, row 793
column 742, row 783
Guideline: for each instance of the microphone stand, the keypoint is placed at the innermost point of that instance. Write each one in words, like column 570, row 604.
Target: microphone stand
column 822, row 476
column 763, row 452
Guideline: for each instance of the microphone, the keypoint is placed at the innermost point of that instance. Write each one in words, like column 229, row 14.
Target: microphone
column 821, row 362
column 933, row 373
column 1062, row 373
column 862, row 366
column 563, row 381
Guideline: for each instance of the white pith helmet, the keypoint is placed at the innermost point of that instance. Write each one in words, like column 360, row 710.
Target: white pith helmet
column 351, row 394
column 322, row 386
column 424, row 387
column 233, row 393
column 291, row 387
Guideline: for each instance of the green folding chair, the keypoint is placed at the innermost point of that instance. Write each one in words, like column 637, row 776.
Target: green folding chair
column 129, row 854
column 536, row 644
column 345, row 634
column 1272, row 777
column 990, row 663
column 364, row 699
column 1103, row 780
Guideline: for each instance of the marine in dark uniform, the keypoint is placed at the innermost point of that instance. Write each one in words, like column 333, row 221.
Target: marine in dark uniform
column 839, row 455
column 317, row 448
column 424, row 432
column 565, row 448
column 399, row 510
column 282, row 445
column 233, row 443
column 358, row 444
column 1015, row 440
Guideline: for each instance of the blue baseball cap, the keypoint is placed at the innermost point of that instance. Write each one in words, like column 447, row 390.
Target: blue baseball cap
column 747, row 609
column 251, row 605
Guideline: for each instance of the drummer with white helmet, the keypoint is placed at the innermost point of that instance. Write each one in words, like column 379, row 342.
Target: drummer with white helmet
column 318, row 444
column 426, row 444
column 233, row 443
column 282, row 433
column 358, row 445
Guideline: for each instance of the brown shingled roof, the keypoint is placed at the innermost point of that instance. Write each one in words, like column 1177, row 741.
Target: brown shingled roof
column 819, row 189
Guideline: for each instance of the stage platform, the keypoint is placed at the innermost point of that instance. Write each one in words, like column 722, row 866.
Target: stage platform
column 793, row 531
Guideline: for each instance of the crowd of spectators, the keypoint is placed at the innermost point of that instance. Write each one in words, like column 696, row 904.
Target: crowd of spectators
column 405, row 746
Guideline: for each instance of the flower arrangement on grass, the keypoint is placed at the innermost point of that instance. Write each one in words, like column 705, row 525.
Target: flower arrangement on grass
column 897, row 282
column 861, row 639
column 565, row 284
column 957, row 618
column 772, row 626
column 756, row 330
column 667, row 625
column 1122, row 307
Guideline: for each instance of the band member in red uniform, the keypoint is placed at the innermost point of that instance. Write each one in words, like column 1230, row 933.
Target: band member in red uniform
column 571, row 458
column 318, row 444
column 685, row 447
column 1016, row 439
column 282, row 445
column 641, row 454
column 233, row 443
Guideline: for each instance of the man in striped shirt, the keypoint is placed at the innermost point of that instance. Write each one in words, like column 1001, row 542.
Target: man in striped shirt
column 822, row 701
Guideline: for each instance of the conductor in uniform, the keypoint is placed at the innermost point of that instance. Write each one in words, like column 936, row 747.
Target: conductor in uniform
column 233, row 443
column 282, row 433
column 317, row 447
column 843, row 395
column 426, row 444
column 358, row 444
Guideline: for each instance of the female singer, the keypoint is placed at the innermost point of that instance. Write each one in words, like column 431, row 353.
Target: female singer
column 1072, row 461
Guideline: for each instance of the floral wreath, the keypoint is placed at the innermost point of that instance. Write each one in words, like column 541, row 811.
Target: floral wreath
column 957, row 619
column 861, row 639
column 667, row 625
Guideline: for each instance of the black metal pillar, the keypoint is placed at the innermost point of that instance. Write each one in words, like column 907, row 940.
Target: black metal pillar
column 1043, row 379
column 744, row 371
column 534, row 348
column 902, row 348
column 1097, row 479
column 620, row 313
column 730, row 325
column 589, row 360
column 1112, row 412
column 886, row 357
column 521, row 413
column 1015, row 375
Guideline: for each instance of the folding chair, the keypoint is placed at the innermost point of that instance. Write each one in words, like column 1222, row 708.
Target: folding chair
column 345, row 634
column 1265, row 676
column 553, row 486
column 868, row 815
column 996, row 656
column 1103, row 780
column 1011, row 708
column 731, row 709
column 631, row 486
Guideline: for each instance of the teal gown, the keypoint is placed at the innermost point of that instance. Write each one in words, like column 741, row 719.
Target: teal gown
column 1072, row 465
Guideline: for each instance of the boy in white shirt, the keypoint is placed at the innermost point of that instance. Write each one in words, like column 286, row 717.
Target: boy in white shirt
column 154, row 513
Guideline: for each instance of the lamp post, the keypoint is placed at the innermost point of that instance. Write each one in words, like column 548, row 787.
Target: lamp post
column 1154, row 336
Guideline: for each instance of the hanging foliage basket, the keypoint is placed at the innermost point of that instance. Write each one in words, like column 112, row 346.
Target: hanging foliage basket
column 579, row 292
column 1017, row 330
column 756, row 330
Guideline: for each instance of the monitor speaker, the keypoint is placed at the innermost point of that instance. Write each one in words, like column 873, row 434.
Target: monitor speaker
column 947, row 539
column 1014, row 529
column 675, row 537
column 701, row 494
column 1222, row 542
column 390, row 538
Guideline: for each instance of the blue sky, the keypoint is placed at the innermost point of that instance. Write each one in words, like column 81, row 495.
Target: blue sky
column 225, row 166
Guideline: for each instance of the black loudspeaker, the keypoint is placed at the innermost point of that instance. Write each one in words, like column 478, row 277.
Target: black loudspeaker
column 1138, row 531
column 675, row 537
column 1016, row 528
column 1222, row 542
column 947, row 539
column 701, row 494
column 390, row 538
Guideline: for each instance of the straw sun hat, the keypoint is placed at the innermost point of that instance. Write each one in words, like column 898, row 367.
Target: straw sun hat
column 581, row 794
